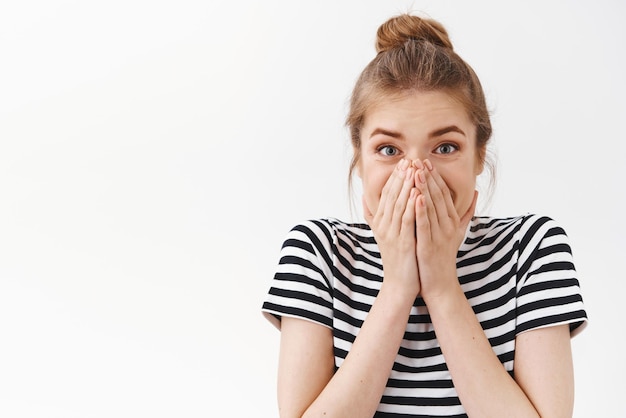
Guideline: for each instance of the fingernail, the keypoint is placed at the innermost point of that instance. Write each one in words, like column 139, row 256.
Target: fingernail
column 422, row 176
column 428, row 164
column 418, row 164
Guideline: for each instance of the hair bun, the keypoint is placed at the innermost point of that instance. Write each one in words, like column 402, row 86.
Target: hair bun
column 399, row 29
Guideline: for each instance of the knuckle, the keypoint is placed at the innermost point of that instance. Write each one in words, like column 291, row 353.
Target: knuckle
column 398, row 206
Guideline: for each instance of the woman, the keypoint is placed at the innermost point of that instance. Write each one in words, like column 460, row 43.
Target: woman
column 426, row 310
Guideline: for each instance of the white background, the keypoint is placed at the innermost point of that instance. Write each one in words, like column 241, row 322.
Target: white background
column 153, row 155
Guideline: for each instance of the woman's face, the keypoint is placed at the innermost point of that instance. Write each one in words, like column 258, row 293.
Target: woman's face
column 422, row 125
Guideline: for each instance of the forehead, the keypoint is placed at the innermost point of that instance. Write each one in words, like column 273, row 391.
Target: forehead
column 417, row 109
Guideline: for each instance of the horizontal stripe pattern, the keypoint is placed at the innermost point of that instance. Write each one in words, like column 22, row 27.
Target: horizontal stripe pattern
column 517, row 273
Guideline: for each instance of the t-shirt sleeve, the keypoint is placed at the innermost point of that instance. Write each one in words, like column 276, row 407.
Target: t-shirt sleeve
column 302, row 285
column 548, row 291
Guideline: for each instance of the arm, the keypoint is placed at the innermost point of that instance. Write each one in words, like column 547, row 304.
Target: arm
column 305, row 364
column 544, row 370
column 544, row 381
column 307, row 387
column 306, row 384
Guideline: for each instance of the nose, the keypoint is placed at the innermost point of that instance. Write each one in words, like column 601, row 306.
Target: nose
column 417, row 160
column 416, row 155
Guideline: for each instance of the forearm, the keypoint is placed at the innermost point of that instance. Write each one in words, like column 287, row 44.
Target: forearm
column 356, row 389
column 484, row 387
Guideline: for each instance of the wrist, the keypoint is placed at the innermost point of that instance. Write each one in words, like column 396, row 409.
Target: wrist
column 444, row 300
column 398, row 294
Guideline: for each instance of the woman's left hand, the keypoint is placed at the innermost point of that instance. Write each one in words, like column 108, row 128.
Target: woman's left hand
column 439, row 232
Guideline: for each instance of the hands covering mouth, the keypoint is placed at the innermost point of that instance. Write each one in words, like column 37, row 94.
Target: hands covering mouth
column 418, row 229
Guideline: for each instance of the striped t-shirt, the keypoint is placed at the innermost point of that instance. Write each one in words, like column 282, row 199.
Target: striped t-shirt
column 517, row 274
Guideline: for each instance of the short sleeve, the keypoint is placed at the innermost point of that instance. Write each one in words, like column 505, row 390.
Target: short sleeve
column 548, row 291
column 302, row 285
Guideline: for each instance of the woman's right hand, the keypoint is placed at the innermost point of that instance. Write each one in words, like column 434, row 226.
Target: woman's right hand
column 393, row 225
column 308, row 384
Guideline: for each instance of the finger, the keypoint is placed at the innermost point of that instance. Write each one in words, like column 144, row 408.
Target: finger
column 421, row 180
column 437, row 196
column 422, row 222
column 394, row 209
column 408, row 217
column 418, row 167
column 441, row 194
column 392, row 190
column 403, row 197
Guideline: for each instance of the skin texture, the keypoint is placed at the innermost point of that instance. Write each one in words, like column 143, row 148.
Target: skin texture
column 418, row 166
column 418, row 127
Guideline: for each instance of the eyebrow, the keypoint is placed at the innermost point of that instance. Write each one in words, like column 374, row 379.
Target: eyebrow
column 443, row 131
column 381, row 131
column 433, row 134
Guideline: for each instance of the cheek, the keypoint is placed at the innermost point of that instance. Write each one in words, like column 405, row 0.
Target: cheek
column 457, row 179
column 462, row 191
column 373, row 182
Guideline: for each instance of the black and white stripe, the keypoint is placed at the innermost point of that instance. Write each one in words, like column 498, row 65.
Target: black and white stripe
column 517, row 274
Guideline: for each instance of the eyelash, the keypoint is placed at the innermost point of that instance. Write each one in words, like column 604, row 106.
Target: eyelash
column 447, row 144
column 437, row 149
column 381, row 148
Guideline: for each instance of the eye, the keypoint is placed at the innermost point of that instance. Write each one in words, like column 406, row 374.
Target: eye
column 446, row 149
column 388, row 151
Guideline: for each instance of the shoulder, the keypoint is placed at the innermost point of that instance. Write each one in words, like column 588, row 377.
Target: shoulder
column 487, row 231
column 321, row 235
column 537, row 241
column 328, row 229
column 519, row 234
column 541, row 231
column 533, row 223
column 524, row 225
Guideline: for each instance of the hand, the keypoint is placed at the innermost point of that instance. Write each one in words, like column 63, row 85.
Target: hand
column 393, row 225
column 439, row 230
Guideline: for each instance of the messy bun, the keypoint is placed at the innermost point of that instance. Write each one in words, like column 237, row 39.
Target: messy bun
column 397, row 30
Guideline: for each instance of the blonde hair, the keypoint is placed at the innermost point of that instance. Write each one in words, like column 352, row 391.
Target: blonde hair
column 416, row 54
